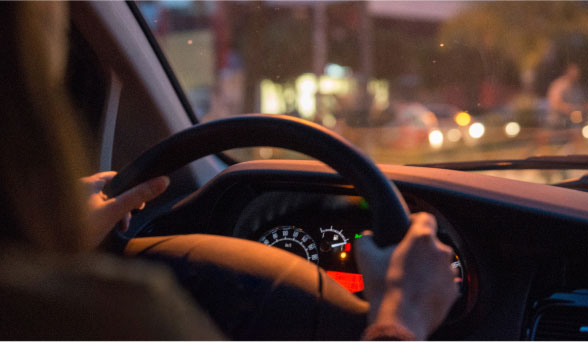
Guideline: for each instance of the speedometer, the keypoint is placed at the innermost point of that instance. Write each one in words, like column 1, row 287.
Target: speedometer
column 292, row 239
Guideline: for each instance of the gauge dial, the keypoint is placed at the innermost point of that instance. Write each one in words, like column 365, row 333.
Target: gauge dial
column 333, row 240
column 292, row 239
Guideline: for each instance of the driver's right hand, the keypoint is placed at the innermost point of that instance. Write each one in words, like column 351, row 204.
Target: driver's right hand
column 410, row 286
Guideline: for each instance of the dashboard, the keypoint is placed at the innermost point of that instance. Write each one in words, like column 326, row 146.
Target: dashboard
column 322, row 228
column 517, row 244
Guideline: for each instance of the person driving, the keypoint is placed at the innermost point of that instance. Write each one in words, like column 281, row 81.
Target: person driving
column 49, row 205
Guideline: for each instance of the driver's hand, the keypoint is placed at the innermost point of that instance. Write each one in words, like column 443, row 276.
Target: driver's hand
column 104, row 213
column 410, row 285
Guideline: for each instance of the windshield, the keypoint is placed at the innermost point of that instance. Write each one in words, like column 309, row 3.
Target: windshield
column 407, row 82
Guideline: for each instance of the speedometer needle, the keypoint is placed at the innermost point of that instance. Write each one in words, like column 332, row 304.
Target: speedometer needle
column 338, row 244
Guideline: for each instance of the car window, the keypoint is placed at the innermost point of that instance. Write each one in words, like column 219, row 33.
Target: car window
column 407, row 82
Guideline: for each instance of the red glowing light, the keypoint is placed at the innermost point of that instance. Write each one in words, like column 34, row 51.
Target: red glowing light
column 347, row 247
column 353, row 282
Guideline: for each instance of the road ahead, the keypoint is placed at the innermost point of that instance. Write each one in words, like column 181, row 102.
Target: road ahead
column 409, row 146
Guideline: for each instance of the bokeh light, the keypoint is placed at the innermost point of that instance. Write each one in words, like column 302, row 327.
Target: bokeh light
column 454, row 135
column 463, row 118
column 512, row 129
column 477, row 130
column 585, row 131
column 436, row 138
column 576, row 116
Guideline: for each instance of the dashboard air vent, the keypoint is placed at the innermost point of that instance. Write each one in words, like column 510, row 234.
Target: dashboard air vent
column 563, row 316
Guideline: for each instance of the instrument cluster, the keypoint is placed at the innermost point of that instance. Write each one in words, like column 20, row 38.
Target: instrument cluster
column 332, row 249
column 323, row 230
column 329, row 247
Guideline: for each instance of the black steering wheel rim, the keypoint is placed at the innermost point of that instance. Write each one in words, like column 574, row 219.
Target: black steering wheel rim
column 385, row 201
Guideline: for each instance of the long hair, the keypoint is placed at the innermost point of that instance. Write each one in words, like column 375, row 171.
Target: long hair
column 41, row 149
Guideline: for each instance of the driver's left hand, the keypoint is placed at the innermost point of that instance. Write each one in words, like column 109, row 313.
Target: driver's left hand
column 104, row 213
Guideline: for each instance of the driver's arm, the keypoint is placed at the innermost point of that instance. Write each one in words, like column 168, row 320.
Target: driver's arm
column 104, row 213
column 410, row 286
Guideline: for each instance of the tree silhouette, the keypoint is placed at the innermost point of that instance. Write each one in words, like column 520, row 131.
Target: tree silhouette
column 523, row 32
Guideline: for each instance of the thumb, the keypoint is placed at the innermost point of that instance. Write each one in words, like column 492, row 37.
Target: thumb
column 136, row 196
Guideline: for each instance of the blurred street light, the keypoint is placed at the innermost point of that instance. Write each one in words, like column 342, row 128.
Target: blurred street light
column 477, row 130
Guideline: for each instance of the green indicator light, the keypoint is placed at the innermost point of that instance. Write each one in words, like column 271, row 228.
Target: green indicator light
column 363, row 204
column 357, row 236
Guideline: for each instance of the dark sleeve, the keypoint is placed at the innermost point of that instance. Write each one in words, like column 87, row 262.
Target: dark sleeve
column 95, row 297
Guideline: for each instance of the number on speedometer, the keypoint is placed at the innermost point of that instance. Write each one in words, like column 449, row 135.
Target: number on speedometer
column 293, row 240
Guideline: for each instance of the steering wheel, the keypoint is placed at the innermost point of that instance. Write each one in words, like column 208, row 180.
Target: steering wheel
column 385, row 201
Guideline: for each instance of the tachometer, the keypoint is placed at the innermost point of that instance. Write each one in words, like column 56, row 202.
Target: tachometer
column 292, row 239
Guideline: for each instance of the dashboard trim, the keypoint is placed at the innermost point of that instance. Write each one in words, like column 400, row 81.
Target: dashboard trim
column 555, row 201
